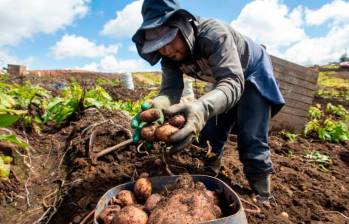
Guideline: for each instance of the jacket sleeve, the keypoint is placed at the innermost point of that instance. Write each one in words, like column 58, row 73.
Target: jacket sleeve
column 223, row 58
column 172, row 81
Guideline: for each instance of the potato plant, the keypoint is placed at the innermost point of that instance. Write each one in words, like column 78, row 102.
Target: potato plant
column 328, row 125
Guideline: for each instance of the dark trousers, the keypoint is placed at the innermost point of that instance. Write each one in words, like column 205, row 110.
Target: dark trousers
column 250, row 118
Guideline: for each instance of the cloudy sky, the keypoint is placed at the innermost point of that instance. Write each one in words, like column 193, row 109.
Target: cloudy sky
column 96, row 34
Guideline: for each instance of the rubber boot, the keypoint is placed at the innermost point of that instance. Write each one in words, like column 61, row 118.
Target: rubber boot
column 213, row 165
column 261, row 187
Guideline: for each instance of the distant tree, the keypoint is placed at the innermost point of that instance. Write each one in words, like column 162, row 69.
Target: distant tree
column 344, row 57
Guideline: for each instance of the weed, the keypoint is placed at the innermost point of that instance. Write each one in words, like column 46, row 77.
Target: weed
column 323, row 161
column 291, row 137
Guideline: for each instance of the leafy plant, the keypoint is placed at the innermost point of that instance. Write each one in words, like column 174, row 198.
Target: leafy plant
column 99, row 98
column 13, row 139
column 315, row 112
column 338, row 111
column 8, row 115
column 329, row 126
column 60, row 109
column 133, row 107
column 4, row 169
column 5, row 160
column 291, row 137
column 322, row 160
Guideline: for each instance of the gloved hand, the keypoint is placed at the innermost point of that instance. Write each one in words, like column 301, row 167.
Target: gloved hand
column 159, row 102
column 196, row 114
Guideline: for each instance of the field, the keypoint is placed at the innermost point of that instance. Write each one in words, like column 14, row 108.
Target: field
column 54, row 176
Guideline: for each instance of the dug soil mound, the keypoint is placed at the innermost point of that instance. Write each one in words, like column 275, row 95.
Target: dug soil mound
column 60, row 180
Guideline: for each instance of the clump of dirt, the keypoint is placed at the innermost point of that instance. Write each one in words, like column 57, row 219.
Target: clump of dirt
column 9, row 189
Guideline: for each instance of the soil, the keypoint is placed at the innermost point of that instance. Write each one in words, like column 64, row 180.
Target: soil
column 126, row 94
column 63, row 185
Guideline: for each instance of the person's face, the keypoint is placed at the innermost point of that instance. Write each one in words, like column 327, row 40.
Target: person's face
column 176, row 50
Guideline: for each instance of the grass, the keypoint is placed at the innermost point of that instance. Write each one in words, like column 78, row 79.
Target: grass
column 332, row 87
column 147, row 78
column 326, row 80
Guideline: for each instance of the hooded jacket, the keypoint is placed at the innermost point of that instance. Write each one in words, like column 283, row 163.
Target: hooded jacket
column 218, row 54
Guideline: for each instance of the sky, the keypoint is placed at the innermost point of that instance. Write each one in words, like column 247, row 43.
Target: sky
column 96, row 34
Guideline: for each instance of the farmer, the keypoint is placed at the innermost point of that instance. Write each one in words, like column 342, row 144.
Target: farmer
column 245, row 94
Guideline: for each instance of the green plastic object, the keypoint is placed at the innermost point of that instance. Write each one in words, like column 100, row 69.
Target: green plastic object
column 146, row 106
column 136, row 136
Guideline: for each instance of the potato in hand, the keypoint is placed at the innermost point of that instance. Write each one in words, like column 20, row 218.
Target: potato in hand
column 150, row 115
column 148, row 132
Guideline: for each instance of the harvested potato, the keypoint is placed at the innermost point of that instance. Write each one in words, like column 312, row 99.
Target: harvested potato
column 150, row 115
column 177, row 121
column 213, row 195
column 164, row 132
column 125, row 198
column 142, row 189
column 107, row 215
column 217, row 211
column 151, row 202
column 131, row 215
column 148, row 132
column 185, row 181
column 200, row 186
column 184, row 206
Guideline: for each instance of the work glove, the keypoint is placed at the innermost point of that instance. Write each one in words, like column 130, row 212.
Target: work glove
column 196, row 114
column 159, row 103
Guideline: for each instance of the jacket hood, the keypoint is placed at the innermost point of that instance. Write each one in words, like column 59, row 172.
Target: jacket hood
column 156, row 13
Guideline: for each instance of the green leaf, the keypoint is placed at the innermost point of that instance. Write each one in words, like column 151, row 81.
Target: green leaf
column 13, row 139
column 7, row 101
column 7, row 120
column 7, row 159
column 4, row 169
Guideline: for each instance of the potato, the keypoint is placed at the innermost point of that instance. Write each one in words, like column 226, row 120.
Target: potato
column 131, row 215
column 164, row 132
column 185, row 181
column 217, row 211
column 157, row 162
column 213, row 195
column 107, row 215
column 177, row 121
column 125, row 198
column 148, row 132
column 142, row 189
column 149, row 115
column 200, row 186
column 184, row 206
column 152, row 202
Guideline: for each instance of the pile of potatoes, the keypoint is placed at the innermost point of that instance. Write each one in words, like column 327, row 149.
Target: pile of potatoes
column 154, row 132
column 183, row 202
